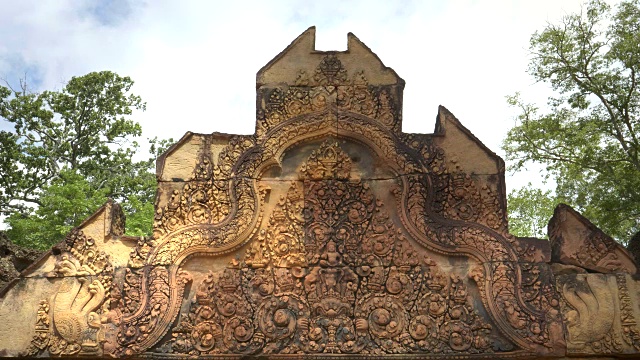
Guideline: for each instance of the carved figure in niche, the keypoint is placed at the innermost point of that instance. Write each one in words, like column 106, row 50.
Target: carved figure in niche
column 331, row 287
column 331, row 256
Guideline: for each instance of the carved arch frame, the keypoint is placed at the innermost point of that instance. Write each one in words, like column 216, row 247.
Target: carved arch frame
column 408, row 164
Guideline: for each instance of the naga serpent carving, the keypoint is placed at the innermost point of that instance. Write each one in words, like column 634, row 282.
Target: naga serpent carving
column 592, row 311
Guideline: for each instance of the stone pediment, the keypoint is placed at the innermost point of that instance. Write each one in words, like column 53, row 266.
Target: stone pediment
column 327, row 232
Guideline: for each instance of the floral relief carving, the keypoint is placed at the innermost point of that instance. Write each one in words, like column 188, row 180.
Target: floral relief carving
column 348, row 234
column 536, row 318
column 135, row 314
column 202, row 201
column 630, row 331
column 279, row 244
column 239, row 311
column 417, row 260
column 330, row 86
column 599, row 251
column 352, row 292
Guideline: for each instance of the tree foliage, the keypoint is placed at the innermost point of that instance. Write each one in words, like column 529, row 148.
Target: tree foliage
column 587, row 137
column 69, row 151
column 529, row 211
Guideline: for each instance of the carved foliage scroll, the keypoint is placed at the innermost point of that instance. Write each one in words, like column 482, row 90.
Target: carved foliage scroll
column 337, row 266
column 330, row 86
column 354, row 286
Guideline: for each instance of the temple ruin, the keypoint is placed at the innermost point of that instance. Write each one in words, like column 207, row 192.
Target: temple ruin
column 329, row 232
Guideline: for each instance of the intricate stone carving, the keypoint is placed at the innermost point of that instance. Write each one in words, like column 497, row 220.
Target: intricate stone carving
column 576, row 241
column 349, row 290
column 80, row 257
column 231, row 315
column 217, row 208
column 330, row 86
column 71, row 324
column 628, row 322
column 590, row 314
column 204, row 201
column 40, row 340
column 331, row 232
column 600, row 313
column 140, row 253
column 280, row 243
column 143, row 328
column 345, row 225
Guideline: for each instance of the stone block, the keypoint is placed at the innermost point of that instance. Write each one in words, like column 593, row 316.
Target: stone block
column 576, row 241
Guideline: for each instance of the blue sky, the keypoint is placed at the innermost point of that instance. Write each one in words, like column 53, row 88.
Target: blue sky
column 194, row 62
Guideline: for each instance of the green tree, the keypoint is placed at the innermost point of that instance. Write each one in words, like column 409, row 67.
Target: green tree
column 529, row 211
column 69, row 151
column 587, row 136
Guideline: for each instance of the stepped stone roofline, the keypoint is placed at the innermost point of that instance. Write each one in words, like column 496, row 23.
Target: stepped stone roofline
column 301, row 56
column 302, row 50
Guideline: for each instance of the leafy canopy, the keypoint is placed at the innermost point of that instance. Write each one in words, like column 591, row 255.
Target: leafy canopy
column 68, row 152
column 529, row 211
column 587, row 137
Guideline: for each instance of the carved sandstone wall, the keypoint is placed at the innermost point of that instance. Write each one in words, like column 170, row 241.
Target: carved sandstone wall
column 327, row 232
